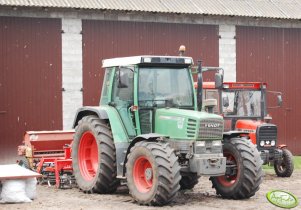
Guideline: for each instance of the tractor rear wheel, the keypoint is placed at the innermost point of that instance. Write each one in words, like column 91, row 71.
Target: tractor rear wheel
column 93, row 156
column 153, row 173
column 285, row 167
column 244, row 171
column 189, row 181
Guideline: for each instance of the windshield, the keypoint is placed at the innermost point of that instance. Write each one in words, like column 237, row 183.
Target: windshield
column 161, row 86
column 241, row 103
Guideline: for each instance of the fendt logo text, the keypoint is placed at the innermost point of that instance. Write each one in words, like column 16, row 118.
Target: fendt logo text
column 212, row 125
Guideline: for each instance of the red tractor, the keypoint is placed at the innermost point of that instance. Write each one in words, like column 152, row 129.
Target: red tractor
column 244, row 107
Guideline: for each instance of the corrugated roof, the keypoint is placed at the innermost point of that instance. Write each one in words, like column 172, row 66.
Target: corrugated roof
column 212, row 7
column 283, row 9
column 289, row 7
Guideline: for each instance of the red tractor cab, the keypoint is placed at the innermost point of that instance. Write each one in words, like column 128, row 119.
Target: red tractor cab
column 244, row 107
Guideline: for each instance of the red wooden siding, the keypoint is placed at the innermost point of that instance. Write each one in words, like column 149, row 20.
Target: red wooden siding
column 30, row 80
column 273, row 55
column 108, row 39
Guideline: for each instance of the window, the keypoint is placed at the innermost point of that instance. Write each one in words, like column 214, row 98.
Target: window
column 242, row 103
column 160, row 85
column 123, row 85
column 105, row 86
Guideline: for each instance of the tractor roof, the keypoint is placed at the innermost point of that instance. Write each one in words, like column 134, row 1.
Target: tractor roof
column 148, row 60
column 245, row 85
column 235, row 85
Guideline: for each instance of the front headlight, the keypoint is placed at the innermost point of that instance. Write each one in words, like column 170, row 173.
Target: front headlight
column 200, row 143
column 216, row 143
column 262, row 143
column 273, row 143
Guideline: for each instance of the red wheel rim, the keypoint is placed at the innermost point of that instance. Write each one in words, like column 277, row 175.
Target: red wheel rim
column 143, row 174
column 227, row 180
column 88, row 156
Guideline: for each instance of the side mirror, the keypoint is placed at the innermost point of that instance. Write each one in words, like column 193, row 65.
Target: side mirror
column 209, row 104
column 226, row 101
column 218, row 80
column 122, row 79
column 279, row 100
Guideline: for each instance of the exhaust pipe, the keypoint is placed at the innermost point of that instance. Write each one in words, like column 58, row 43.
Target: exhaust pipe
column 200, row 87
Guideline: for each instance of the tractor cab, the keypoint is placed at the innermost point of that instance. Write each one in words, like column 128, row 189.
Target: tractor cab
column 239, row 100
column 142, row 85
column 155, row 95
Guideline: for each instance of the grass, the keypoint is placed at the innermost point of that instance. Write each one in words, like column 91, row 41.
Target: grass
column 297, row 164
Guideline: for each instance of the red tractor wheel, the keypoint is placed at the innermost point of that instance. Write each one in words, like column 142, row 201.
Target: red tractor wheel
column 244, row 172
column 230, row 180
column 88, row 156
column 285, row 167
column 153, row 173
column 93, row 156
column 143, row 174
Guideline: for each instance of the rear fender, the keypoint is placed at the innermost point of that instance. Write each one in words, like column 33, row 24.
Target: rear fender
column 89, row 110
column 105, row 113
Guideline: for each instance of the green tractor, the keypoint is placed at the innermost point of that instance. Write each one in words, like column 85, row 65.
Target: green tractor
column 149, row 133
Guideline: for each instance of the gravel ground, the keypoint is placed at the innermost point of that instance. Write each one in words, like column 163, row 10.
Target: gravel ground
column 201, row 197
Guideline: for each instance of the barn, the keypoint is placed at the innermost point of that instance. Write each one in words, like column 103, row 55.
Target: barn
column 51, row 52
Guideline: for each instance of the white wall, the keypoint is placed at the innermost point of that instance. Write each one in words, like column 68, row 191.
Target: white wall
column 227, row 51
column 72, row 68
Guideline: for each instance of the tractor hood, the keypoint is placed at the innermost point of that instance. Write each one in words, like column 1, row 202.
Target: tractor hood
column 248, row 125
column 188, row 124
column 261, row 133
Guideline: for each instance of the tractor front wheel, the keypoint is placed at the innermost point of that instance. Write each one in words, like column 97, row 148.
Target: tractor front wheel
column 93, row 156
column 153, row 173
column 285, row 167
column 244, row 172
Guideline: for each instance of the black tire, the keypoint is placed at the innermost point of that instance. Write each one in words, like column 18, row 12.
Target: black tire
column 162, row 184
column 103, row 179
column 24, row 162
column 285, row 168
column 189, row 181
column 249, row 175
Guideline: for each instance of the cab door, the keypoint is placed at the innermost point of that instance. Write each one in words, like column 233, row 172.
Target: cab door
column 123, row 96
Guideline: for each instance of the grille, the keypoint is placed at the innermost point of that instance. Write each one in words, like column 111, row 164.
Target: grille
column 265, row 133
column 191, row 128
column 211, row 129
